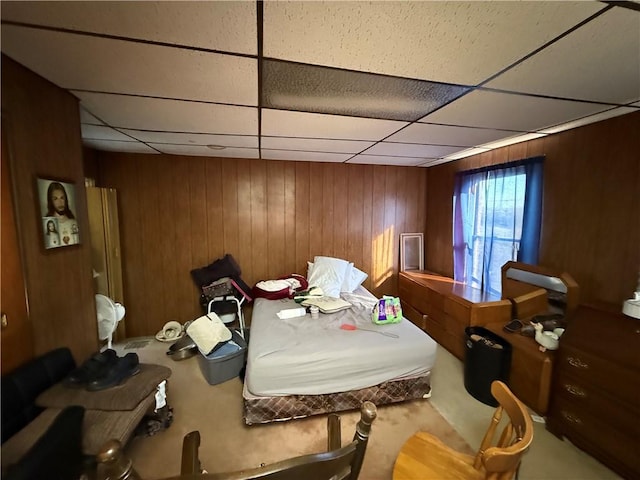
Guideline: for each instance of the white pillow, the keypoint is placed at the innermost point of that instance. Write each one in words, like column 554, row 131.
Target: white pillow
column 355, row 279
column 347, row 276
column 328, row 273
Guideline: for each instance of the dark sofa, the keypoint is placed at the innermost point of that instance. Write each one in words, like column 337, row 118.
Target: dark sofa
column 43, row 421
column 57, row 453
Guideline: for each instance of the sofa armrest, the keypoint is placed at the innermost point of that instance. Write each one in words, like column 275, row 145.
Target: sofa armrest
column 56, row 454
column 21, row 387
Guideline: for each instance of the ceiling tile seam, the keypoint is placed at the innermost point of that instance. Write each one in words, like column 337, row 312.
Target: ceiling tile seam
column 549, row 97
column 623, row 4
column 178, row 132
column 305, row 150
column 474, row 127
column 108, row 36
column 541, row 130
column 155, row 97
column 260, row 50
column 547, row 44
column 413, row 122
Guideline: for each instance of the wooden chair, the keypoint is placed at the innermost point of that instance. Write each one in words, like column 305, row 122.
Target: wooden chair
column 425, row 456
column 337, row 463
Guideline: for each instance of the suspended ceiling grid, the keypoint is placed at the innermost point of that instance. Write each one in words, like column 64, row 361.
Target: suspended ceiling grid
column 392, row 83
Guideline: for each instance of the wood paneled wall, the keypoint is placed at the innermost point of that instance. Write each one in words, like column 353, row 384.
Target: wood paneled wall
column 591, row 206
column 43, row 128
column 178, row 213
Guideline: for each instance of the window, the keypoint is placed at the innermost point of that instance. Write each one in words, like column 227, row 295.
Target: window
column 496, row 218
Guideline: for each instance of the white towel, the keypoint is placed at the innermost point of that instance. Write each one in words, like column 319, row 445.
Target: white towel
column 207, row 331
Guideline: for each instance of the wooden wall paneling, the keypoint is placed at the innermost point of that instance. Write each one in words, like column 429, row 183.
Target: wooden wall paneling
column 390, row 236
column 315, row 211
column 367, row 224
column 230, row 209
column 328, row 209
column 400, row 224
column 340, row 214
column 153, row 289
column 276, row 213
column 582, row 207
column 302, row 215
column 290, row 218
column 377, row 270
column 215, row 204
column 164, row 238
column 556, row 196
column 259, row 228
column 45, row 137
column 198, row 213
column 16, row 346
column 186, row 293
column 617, row 239
column 355, row 213
column 245, row 239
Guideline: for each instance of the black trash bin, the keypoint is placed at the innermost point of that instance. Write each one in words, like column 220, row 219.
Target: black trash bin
column 487, row 358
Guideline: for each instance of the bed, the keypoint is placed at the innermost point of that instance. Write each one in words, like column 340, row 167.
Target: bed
column 299, row 367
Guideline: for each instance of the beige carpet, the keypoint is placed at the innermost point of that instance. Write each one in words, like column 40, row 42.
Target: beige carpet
column 228, row 444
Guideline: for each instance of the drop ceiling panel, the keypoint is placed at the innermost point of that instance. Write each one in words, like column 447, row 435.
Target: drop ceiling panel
column 86, row 117
column 313, row 125
column 314, row 144
column 446, row 135
column 614, row 112
column 202, row 151
column 224, row 26
column 506, row 111
column 309, row 88
column 118, row 146
column 98, row 132
column 411, row 150
column 304, row 156
column 170, row 115
column 384, row 160
column 245, row 141
column 610, row 43
column 453, row 42
column 80, row 62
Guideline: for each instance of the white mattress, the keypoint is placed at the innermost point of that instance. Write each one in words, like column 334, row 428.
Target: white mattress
column 302, row 356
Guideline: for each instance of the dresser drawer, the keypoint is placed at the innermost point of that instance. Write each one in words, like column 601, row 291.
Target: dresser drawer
column 587, row 398
column 578, row 424
column 413, row 294
column 413, row 315
column 616, row 380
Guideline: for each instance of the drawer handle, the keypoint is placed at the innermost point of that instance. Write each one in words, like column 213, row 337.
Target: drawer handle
column 576, row 362
column 571, row 418
column 573, row 390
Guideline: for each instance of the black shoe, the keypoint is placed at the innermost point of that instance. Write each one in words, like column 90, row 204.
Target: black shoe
column 124, row 368
column 93, row 368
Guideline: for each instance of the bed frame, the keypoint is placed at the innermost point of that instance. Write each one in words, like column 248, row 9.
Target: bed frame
column 281, row 408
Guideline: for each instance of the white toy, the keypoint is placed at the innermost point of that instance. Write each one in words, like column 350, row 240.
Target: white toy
column 547, row 340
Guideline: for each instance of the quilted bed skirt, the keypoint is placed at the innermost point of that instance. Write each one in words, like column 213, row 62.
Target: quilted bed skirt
column 271, row 409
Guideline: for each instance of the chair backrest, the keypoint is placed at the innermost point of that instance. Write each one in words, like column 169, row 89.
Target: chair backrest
column 499, row 457
column 340, row 463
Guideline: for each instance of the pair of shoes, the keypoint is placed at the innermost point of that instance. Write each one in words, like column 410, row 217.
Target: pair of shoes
column 93, row 368
column 123, row 368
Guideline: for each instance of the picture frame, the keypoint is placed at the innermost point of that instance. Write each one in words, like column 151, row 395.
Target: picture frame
column 58, row 213
column 411, row 251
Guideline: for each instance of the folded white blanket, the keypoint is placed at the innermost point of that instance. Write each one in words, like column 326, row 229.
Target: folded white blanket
column 207, row 331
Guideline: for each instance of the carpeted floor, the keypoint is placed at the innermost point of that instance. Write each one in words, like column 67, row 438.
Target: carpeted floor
column 228, row 444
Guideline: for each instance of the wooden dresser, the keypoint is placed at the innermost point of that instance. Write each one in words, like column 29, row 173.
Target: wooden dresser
column 595, row 399
column 444, row 308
